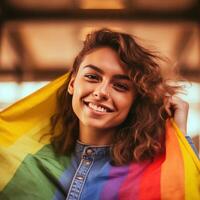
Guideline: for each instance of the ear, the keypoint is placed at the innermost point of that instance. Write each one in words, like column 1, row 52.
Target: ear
column 71, row 85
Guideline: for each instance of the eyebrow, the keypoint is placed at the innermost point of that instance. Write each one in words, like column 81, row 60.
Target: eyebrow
column 116, row 76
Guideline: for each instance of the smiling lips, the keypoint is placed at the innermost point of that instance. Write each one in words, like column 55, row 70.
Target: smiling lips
column 98, row 107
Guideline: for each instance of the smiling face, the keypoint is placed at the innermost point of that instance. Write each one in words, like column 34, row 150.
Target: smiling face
column 102, row 91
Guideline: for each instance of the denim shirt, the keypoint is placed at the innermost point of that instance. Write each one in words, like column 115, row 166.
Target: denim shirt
column 88, row 172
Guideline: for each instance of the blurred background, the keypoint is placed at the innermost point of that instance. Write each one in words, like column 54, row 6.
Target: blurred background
column 40, row 38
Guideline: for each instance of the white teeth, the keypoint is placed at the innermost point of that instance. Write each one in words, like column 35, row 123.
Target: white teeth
column 97, row 108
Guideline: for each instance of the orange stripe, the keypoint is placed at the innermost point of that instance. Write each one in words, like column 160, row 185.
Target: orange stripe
column 172, row 171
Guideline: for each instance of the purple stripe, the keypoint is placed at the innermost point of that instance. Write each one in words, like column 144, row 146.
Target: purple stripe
column 131, row 186
column 115, row 180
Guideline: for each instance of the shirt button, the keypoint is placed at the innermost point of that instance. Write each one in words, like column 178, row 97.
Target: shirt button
column 79, row 177
column 89, row 151
column 87, row 162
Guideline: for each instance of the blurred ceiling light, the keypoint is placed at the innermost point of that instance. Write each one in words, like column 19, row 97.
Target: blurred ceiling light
column 163, row 5
column 102, row 4
column 42, row 5
column 8, row 92
column 11, row 91
column 193, row 122
column 50, row 44
column 192, row 92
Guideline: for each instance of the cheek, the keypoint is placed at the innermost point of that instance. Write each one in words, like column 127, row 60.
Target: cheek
column 124, row 105
column 74, row 104
column 81, row 87
column 125, row 102
column 78, row 91
column 81, row 90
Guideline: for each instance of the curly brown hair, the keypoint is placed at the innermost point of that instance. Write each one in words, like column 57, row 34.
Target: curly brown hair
column 141, row 135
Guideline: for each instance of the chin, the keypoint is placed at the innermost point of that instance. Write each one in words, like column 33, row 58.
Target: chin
column 96, row 125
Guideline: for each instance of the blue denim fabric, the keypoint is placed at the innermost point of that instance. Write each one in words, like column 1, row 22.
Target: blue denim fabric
column 92, row 161
column 189, row 139
column 88, row 171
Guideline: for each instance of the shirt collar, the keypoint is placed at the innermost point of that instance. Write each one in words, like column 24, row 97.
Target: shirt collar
column 96, row 151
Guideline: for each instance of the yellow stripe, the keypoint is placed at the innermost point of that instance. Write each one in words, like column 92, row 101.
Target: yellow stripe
column 191, row 167
column 21, row 128
column 23, row 116
column 12, row 156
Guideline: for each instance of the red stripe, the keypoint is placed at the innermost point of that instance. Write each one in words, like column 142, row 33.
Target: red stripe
column 150, row 181
column 131, row 186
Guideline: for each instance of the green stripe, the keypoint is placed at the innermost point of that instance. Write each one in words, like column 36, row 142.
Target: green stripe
column 37, row 177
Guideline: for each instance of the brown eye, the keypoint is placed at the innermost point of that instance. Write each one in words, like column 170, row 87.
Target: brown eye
column 92, row 77
column 120, row 86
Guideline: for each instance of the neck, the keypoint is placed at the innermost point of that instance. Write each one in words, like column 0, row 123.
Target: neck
column 93, row 136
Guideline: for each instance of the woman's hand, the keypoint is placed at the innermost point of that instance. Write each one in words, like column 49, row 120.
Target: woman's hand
column 178, row 109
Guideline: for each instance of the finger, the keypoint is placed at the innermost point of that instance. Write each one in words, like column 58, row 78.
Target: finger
column 167, row 105
column 178, row 103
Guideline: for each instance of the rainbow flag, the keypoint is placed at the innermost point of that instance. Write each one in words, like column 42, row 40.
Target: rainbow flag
column 29, row 168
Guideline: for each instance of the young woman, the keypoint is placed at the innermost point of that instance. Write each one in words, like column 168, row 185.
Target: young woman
column 113, row 110
column 111, row 136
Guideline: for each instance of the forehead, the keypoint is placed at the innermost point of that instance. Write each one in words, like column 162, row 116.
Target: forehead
column 106, row 59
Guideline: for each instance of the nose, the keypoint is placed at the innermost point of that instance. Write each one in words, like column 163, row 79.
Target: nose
column 101, row 92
